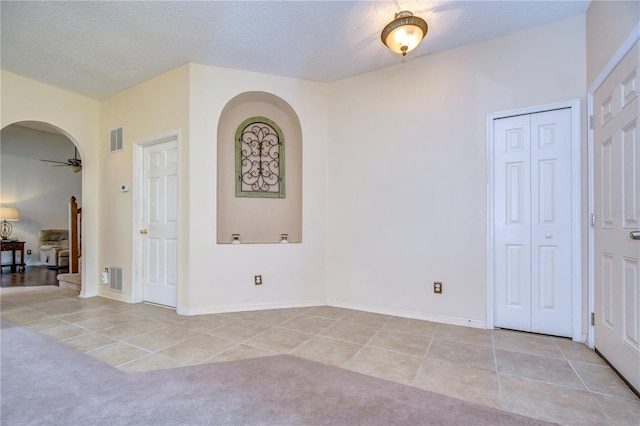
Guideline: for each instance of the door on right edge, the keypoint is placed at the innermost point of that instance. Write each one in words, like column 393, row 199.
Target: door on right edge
column 616, row 168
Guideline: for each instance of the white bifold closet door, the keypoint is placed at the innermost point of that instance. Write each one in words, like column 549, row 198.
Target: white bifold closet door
column 532, row 222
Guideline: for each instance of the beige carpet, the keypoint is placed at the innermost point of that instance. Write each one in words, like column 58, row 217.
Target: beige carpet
column 45, row 382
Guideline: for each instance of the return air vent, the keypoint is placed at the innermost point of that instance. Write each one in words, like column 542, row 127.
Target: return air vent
column 115, row 279
column 117, row 143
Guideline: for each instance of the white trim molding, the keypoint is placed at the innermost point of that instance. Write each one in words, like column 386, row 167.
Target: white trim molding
column 137, row 286
column 221, row 309
column 576, row 206
column 444, row 319
column 622, row 51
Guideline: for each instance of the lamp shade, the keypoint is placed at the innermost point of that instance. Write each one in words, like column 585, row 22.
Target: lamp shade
column 9, row 214
column 404, row 33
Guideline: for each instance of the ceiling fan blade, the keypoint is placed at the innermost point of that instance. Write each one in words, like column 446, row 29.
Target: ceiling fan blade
column 53, row 161
column 75, row 163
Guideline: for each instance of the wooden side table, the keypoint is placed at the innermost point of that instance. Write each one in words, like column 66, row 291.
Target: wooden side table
column 14, row 246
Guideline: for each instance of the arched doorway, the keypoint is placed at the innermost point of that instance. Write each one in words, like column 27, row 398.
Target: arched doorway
column 41, row 169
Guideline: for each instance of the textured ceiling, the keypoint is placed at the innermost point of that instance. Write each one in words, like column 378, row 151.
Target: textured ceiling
column 97, row 48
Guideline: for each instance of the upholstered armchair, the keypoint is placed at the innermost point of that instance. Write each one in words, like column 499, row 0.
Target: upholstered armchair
column 54, row 248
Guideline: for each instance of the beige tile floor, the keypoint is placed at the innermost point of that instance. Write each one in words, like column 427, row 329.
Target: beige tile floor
column 538, row 376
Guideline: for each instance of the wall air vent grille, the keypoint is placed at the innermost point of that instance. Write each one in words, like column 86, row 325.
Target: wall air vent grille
column 117, row 143
column 115, row 279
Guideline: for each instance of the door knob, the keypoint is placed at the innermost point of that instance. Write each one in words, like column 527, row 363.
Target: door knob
column 143, row 231
column 634, row 235
column 548, row 236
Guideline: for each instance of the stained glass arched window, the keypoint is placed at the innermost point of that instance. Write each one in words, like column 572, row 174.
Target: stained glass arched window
column 259, row 159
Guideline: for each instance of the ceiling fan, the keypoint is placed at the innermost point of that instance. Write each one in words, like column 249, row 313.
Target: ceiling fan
column 75, row 163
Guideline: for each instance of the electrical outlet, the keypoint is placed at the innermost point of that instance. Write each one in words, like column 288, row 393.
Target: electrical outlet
column 257, row 279
column 28, row 252
column 437, row 287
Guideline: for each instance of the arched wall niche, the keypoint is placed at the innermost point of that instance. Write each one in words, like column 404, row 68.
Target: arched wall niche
column 258, row 220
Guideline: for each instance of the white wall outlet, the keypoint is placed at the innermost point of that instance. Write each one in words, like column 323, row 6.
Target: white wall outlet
column 257, row 279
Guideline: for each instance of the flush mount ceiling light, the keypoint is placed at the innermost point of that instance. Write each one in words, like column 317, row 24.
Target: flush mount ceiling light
column 404, row 33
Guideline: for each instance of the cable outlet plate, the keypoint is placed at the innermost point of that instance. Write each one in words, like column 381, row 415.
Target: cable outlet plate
column 28, row 252
column 257, row 279
column 437, row 287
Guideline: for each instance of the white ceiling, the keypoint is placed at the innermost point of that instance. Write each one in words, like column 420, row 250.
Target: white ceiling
column 97, row 48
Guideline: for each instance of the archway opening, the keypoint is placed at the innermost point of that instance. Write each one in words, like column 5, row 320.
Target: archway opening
column 41, row 169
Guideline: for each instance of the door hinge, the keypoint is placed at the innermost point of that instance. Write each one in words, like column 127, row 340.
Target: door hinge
column 591, row 121
column 592, row 220
column 593, row 318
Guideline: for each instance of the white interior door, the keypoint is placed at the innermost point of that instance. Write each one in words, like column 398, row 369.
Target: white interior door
column 512, row 222
column 160, row 227
column 532, row 222
column 616, row 157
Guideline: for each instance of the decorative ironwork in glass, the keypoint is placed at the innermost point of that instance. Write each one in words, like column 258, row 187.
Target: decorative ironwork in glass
column 259, row 159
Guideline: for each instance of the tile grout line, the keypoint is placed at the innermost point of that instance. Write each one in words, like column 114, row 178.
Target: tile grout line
column 551, row 384
column 363, row 346
column 138, row 359
column 424, row 358
column 312, row 335
column 495, row 361
column 112, row 344
column 207, row 361
column 593, row 398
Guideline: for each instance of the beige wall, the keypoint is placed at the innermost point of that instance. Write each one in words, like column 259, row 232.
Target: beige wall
column 156, row 106
column 609, row 23
column 23, row 99
column 189, row 100
column 222, row 274
column 407, row 168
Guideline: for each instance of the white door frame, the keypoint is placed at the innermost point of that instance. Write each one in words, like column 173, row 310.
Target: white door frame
column 576, row 190
column 137, row 262
column 622, row 51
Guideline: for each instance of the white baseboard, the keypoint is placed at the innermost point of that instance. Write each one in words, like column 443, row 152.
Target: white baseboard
column 220, row 309
column 114, row 296
column 444, row 319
